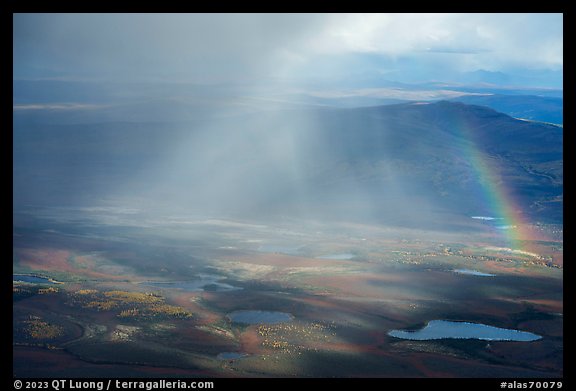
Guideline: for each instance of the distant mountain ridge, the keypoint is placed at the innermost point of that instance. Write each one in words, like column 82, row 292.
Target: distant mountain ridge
column 531, row 107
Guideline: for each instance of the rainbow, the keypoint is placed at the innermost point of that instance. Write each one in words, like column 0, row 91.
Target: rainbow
column 500, row 201
column 497, row 196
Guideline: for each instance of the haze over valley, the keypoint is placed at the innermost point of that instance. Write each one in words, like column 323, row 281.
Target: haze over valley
column 287, row 195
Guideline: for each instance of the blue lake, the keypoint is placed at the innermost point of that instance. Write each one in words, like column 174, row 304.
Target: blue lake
column 442, row 329
column 204, row 283
column 504, row 226
column 31, row 279
column 259, row 317
column 486, row 218
column 230, row 356
column 272, row 248
column 473, row 272
column 341, row 257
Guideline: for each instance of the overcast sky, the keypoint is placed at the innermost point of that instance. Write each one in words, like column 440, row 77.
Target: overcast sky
column 252, row 47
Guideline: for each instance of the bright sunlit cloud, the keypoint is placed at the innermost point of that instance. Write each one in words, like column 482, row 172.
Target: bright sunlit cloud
column 245, row 47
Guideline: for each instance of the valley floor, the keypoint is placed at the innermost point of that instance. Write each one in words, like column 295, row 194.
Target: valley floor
column 104, row 318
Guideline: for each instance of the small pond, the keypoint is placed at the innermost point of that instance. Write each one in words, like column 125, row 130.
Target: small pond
column 259, row 317
column 230, row 356
column 473, row 272
column 341, row 257
column 441, row 329
column 279, row 249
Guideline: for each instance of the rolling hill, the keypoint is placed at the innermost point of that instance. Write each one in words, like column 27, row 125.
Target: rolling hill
column 405, row 163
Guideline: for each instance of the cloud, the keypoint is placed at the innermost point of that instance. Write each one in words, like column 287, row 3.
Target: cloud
column 212, row 47
column 199, row 46
column 496, row 39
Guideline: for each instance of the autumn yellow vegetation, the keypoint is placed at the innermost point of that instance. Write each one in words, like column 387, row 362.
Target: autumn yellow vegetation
column 45, row 291
column 129, row 313
column 133, row 297
column 38, row 329
column 86, row 292
column 130, row 304
column 105, row 305
column 170, row 310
